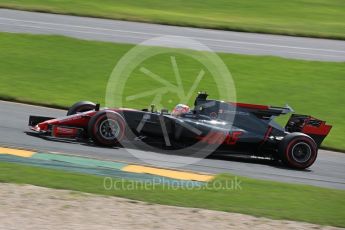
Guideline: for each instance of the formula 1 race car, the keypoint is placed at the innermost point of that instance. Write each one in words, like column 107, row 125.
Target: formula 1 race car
column 234, row 128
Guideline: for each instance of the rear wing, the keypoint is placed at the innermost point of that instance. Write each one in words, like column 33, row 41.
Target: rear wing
column 315, row 128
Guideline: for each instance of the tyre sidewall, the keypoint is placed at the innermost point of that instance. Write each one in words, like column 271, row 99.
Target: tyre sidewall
column 287, row 144
column 94, row 127
column 81, row 106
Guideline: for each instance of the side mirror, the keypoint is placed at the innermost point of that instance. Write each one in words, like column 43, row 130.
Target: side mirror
column 97, row 107
column 152, row 108
column 164, row 111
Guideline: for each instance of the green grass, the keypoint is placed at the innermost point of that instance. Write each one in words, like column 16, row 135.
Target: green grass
column 316, row 18
column 59, row 71
column 256, row 197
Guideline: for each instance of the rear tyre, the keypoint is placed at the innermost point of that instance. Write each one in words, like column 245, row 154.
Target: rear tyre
column 298, row 150
column 81, row 106
column 107, row 128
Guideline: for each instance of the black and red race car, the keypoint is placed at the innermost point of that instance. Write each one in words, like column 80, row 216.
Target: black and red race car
column 233, row 128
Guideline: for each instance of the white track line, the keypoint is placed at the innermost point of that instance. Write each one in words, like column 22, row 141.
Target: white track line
column 159, row 34
column 141, row 38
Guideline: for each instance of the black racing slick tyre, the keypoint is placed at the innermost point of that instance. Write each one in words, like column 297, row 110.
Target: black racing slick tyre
column 81, row 106
column 106, row 128
column 298, row 150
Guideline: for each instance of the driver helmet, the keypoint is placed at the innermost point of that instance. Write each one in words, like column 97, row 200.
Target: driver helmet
column 180, row 109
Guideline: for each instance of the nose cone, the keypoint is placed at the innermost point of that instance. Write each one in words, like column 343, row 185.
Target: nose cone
column 35, row 128
column 43, row 126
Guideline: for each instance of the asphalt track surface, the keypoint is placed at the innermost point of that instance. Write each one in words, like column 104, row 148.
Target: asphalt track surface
column 327, row 171
column 134, row 33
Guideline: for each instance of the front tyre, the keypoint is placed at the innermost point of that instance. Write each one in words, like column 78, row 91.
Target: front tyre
column 298, row 150
column 106, row 128
column 81, row 106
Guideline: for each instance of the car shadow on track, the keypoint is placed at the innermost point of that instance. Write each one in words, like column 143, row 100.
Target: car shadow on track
column 215, row 156
column 254, row 160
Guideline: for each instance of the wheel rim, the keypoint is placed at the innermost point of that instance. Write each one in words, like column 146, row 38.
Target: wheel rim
column 301, row 152
column 109, row 129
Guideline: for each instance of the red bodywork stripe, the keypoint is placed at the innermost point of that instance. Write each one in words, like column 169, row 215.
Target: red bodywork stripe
column 267, row 134
column 250, row 106
column 64, row 132
column 321, row 130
